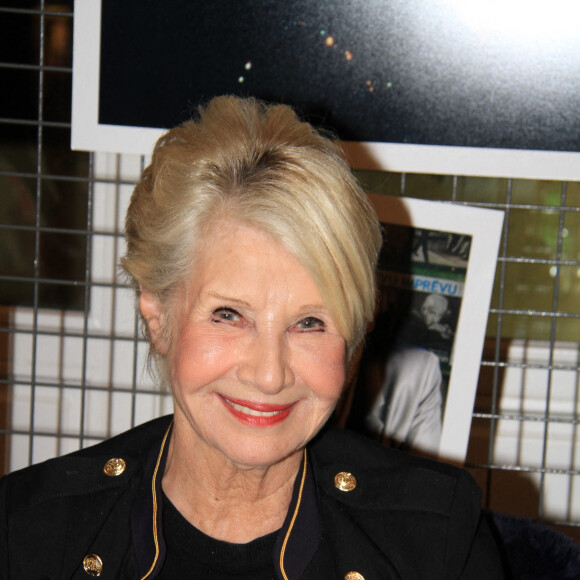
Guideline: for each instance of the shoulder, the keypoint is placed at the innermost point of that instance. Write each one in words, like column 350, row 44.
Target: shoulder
column 348, row 451
column 411, row 354
column 424, row 516
column 82, row 471
column 61, row 509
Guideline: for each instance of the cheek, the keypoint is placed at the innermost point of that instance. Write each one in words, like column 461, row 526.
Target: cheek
column 200, row 358
column 323, row 370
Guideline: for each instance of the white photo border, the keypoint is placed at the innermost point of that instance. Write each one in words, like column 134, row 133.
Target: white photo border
column 89, row 135
column 484, row 226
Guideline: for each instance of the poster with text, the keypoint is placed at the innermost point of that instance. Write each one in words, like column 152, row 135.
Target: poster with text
column 417, row 375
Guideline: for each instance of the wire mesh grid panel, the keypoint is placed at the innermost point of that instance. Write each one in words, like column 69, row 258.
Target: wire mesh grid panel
column 79, row 376
column 523, row 442
column 531, row 454
column 73, row 361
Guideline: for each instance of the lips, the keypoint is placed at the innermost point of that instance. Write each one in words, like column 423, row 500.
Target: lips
column 257, row 414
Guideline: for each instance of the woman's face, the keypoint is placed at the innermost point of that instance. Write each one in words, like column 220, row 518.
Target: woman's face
column 256, row 363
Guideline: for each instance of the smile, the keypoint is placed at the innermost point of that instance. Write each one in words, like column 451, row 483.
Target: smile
column 257, row 414
column 252, row 412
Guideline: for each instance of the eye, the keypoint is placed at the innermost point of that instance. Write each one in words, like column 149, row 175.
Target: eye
column 311, row 323
column 225, row 314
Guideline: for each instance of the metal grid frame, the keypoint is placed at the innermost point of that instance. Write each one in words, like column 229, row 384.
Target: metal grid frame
column 497, row 363
column 488, row 414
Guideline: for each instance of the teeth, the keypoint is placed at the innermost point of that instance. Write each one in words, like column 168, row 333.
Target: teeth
column 251, row 412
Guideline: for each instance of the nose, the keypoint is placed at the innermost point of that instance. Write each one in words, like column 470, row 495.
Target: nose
column 266, row 364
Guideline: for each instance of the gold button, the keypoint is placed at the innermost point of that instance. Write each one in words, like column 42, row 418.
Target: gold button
column 93, row 565
column 345, row 482
column 114, row 467
column 353, row 576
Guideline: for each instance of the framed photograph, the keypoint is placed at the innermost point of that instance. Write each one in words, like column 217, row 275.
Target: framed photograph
column 457, row 88
column 418, row 373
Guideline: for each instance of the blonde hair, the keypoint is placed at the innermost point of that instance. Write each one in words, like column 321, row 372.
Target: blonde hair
column 257, row 163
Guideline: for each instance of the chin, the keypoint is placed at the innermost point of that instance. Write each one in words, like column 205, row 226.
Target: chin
column 259, row 456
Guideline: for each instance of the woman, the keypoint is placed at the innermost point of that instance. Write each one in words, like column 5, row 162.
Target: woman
column 253, row 253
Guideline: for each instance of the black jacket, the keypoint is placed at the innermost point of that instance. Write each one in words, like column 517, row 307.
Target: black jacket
column 388, row 515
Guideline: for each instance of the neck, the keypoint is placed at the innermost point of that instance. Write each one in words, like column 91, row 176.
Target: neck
column 225, row 501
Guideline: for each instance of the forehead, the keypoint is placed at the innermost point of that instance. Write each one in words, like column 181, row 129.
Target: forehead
column 243, row 258
column 436, row 302
column 229, row 239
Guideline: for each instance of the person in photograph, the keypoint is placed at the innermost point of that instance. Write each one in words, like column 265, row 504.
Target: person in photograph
column 253, row 252
column 398, row 398
column 429, row 324
column 434, row 310
column 407, row 410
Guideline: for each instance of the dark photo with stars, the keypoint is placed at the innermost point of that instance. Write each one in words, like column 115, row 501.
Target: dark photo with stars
column 468, row 74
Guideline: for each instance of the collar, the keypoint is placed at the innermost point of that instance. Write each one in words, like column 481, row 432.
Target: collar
column 297, row 541
column 147, row 513
column 300, row 534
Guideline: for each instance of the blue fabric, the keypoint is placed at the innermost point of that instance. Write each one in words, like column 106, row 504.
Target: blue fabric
column 535, row 551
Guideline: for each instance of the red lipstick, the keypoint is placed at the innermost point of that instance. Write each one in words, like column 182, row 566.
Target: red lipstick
column 257, row 414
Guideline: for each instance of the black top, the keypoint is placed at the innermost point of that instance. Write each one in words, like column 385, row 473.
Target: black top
column 192, row 554
column 400, row 517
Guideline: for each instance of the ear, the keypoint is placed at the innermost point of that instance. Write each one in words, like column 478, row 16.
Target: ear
column 155, row 318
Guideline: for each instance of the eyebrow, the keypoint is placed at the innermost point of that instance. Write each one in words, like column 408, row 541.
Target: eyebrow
column 306, row 308
column 314, row 308
column 229, row 299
